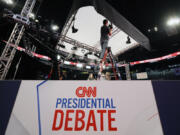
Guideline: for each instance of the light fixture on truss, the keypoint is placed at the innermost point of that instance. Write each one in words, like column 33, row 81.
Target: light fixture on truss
column 74, row 30
column 128, row 40
column 74, row 48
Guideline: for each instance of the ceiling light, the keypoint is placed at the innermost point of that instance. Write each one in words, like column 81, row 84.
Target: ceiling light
column 58, row 57
column 9, row 2
column 156, row 29
column 62, row 46
column 128, row 40
column 67, row 63
column 54, row 27
column 74, row 48
column 173, row 21
column 37, row 20
column 88, row 67
column 79, row 65
column 74, row 30
column 32, row 15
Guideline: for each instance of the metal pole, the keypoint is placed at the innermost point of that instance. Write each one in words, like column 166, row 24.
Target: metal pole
column 15, row 37
column 127, row 69
column 17, row 66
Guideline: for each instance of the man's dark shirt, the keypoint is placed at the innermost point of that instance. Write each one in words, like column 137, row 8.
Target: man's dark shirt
column 104, row 32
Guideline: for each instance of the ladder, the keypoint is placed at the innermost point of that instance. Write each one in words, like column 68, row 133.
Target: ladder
column 113, row 64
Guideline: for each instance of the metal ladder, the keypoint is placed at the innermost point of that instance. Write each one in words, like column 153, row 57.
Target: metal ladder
column 113, row 64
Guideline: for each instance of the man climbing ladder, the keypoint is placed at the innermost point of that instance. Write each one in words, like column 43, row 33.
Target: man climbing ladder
column 106, row 31
column 115, row 69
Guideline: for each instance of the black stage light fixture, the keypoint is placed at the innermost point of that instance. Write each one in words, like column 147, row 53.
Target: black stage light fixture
column 97, row 55
column 58, row 57
column 74, row 48
column 85, row 55
column 74, row 30
column 90, row 53
column 62, row 46
column 128, row 40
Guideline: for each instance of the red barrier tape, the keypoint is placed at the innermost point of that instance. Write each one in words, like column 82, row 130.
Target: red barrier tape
column 33, row 53
column 92, row 64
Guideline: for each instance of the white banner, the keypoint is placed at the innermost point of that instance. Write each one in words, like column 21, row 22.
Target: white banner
column 85, row 107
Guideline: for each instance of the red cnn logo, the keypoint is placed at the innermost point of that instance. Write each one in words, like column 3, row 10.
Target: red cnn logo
column 86, row 91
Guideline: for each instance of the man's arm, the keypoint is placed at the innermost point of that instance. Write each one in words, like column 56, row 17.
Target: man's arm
column 110, row 29
column 110, row 32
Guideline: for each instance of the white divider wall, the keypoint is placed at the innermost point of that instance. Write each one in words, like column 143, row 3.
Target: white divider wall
column 134, row 102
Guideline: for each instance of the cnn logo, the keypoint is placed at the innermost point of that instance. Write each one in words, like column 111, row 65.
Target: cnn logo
column 86, row 91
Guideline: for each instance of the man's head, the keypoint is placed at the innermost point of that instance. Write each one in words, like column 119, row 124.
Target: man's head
column 105, row 22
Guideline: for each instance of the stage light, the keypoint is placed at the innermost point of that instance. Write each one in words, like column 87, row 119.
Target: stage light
column 62, row 46
column 32, row 15
column 128, row 40
column 54, row 27
column 74, row 48
column 88, row 67
column 156, row 29
column 67, row 63
column 9, row 2
column 85, row 55
column 74, row 30
column 37, row 20
column 173, row 21
column 97, row 55
column 79, row 65
column 58, row 57
column 149, row 30
column 88, row 53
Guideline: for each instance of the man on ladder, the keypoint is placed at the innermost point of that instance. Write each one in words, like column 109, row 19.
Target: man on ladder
column 106, row 31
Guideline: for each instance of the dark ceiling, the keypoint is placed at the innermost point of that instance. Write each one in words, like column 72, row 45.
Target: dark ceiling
column 143, row 14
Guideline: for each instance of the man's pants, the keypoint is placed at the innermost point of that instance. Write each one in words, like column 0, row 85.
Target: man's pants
column 104, row 44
